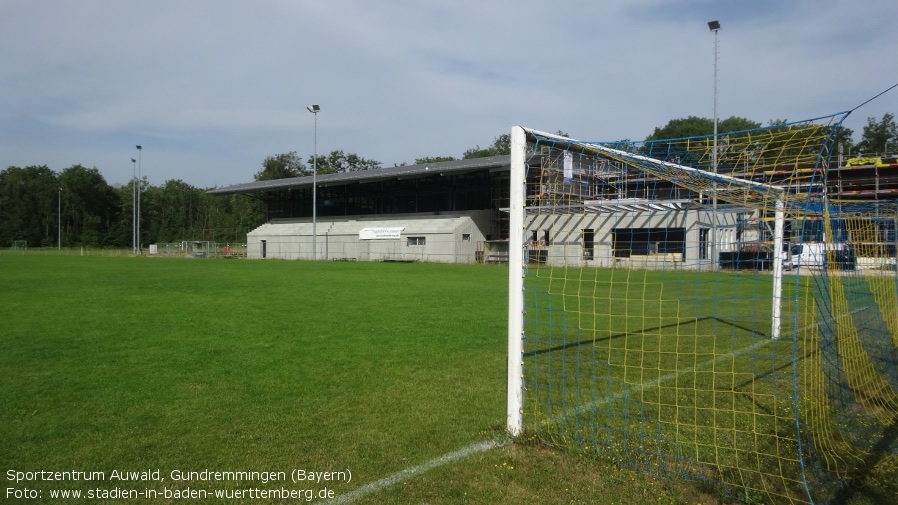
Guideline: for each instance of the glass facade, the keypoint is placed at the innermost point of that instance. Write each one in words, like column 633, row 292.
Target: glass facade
column 432, row 193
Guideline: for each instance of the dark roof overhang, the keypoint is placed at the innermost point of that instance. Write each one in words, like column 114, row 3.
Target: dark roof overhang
column 492, row 163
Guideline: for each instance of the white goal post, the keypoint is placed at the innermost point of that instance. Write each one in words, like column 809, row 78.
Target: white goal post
column 517, row 266
column 518, row 177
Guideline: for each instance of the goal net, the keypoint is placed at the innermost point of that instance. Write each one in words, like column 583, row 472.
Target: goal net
column 197, row 249
column 704, row 309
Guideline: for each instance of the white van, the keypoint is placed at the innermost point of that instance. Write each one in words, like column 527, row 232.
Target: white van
column 813, row 254
column 805, row 254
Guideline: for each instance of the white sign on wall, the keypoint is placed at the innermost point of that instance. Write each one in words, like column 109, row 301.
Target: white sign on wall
column 568, row 167
column 384, row 233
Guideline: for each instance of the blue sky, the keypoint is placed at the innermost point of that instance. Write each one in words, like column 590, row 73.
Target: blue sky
column 210, row 88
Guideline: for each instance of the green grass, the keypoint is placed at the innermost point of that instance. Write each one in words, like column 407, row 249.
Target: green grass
column 118, row 363
column 676, row 372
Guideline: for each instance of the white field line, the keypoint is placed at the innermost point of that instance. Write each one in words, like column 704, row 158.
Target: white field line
column 673, row 375
column 659, row 380
column 408, row 473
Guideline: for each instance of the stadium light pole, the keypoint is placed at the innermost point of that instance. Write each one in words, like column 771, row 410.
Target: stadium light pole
column 59, row 222
column 714, row 26
column 139, row 151
column 314, row 110
column 134, row 205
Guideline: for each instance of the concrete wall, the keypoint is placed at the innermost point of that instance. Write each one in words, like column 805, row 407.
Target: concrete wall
column 454, row 237
column 565, row 245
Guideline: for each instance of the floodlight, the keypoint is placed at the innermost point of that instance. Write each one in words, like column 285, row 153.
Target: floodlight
column 314, row 110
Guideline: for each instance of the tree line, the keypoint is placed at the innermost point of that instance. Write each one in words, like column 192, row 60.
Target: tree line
column 77, row 207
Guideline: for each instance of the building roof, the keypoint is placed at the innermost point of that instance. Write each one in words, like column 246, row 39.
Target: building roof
column 406, row 171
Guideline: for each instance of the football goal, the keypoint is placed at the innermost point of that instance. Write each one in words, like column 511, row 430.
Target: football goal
column 703, row 308
column 197, row 249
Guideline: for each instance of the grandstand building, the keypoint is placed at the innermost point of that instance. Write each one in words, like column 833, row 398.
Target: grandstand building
column 442, row 212
column 456, row 212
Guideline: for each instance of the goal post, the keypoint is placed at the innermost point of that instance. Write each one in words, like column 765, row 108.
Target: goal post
column 776, row 309
column 663, row 314
column 515, row 405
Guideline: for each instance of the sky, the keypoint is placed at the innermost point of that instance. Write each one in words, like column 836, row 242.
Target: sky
column 210, row 88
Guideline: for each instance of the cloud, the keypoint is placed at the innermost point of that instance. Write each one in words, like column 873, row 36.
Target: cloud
column 212, row 88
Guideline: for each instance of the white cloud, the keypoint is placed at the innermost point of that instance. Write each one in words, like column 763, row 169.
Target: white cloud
column 212, row 88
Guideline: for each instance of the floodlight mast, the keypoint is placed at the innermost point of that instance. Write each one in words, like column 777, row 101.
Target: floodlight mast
column 133, row 205
column 138, row 248
column 314, row 110
column 714, row 26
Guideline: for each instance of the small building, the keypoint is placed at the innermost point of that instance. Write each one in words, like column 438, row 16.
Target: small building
column 450, row 237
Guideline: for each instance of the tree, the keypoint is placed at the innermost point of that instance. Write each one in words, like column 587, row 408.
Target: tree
column 282, row 166
column 844, row 141
column 879, row 137
column 501, row 146
column 694, row 126
column 89, row 206
column 231, row 217
column 29, row 199
column 120, row 234
column 176, row 211
column 338, row 162
column 96, row 214
column 433, row 159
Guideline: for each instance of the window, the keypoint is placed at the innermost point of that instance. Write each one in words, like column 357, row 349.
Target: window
column 465, row 237
column 588, row 244
column 536, row 240
column 415, row 241
column 703, row 243
column 648, row 241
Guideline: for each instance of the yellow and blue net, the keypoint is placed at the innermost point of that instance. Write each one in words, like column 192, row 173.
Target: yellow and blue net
column 712, row 309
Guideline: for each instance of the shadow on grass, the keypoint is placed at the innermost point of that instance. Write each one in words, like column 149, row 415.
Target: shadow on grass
column 858, row 479
column 644, row 330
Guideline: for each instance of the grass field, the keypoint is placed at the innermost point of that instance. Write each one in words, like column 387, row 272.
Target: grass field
column 374, row 370
column 672, row 371
column 676, row 372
